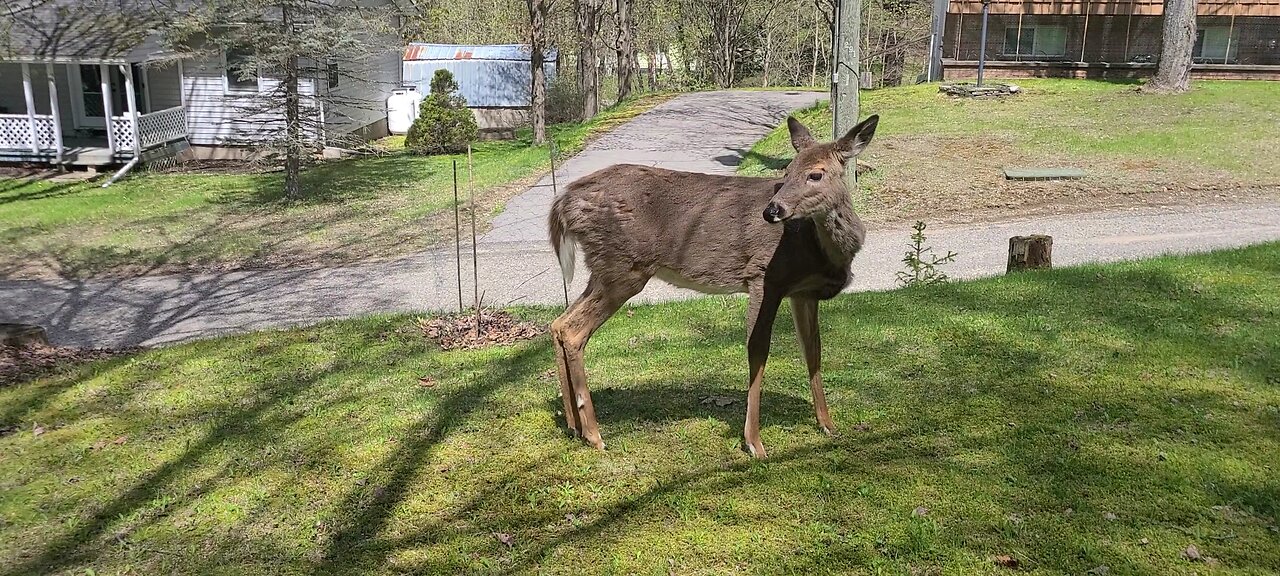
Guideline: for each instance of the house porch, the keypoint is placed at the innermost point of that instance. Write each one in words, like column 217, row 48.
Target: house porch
column 89, row 113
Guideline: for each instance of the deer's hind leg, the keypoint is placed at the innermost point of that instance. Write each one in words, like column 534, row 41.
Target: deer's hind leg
column 571, row 332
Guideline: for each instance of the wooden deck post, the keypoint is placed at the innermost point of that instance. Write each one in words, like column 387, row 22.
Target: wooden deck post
column 1033, row 252
column 53, row 108
column 182, row 87
column 105, row 73
column 132, row 100
column 31, row 107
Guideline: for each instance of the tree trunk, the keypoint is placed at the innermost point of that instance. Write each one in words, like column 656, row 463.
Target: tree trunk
column 768, row 51
column 538, row 105
column 653, row 73
column 626, row 52
column 1174, row 71
column 292, row 116
column 1033, row 252
column 813, row 73
column 895, row 54
column 588, row 12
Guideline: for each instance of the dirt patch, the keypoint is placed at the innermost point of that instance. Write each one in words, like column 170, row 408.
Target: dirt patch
column 497, row 328
column 960, row 179
column 23, row 363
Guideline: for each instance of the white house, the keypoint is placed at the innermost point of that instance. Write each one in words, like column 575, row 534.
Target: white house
column 84, row 96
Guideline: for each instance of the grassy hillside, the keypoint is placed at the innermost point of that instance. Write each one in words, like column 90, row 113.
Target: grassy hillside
column 939, row 158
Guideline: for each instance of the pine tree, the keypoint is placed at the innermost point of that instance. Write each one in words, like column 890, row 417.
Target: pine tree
column 444, row 124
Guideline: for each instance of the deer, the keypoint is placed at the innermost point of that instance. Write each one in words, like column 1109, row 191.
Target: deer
column 792, row 237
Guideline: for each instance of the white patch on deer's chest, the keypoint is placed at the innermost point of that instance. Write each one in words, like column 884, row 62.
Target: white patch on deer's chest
column 676, row 279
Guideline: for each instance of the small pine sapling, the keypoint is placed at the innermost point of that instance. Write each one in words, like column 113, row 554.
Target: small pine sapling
column 444, row 124
column 921, row 263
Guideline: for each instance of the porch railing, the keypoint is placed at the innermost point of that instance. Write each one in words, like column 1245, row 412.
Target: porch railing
column 154, row 129
column 15, row 132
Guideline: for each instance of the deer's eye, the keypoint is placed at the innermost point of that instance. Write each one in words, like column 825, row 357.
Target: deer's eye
column 815, row 176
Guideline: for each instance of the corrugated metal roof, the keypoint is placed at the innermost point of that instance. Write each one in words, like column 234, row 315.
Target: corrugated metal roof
column 507, row 52
column 484, row 83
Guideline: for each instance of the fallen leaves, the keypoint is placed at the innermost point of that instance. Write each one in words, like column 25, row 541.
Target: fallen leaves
column 717, row 401
column 427, row 382
column 1102, row 570
column 22, row 363
column 37, row 429
column 507, row 539
column 1110, row 517
column 458, row 331
column 1192, row 553
column 119, row 441
column 919, row 512
column 1006, row 561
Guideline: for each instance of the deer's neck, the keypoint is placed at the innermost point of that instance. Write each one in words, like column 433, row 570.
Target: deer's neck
column 841, row 234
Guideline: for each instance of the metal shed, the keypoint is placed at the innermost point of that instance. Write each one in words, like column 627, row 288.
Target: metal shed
column 494, row 76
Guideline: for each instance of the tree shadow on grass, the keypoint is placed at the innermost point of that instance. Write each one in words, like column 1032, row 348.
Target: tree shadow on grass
column 28, row 189
column 977, row 418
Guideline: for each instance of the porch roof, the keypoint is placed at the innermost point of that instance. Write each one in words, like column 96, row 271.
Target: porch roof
column 73, row 32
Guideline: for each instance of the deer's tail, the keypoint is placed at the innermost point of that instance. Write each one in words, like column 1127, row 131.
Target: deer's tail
column 562, row 241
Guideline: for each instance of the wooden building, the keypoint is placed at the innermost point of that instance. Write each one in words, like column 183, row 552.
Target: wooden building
column 1107, row 39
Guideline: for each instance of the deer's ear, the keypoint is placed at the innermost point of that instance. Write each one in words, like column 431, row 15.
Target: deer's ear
column 858, row 137
column 801, row 138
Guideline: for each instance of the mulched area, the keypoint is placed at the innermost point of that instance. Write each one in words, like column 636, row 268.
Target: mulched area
column 23, row 363
column 497, row 328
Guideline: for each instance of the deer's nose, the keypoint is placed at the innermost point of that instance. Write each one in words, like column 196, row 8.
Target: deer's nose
column 774, row 213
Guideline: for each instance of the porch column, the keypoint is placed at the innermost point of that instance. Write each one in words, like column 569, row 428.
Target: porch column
column 132, row 100
column 53, row 107
column 182, row 88
column 105, row 73
column 31, row 106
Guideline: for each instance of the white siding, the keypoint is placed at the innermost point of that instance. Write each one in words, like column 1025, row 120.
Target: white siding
column 216, row 116
column 361, row 96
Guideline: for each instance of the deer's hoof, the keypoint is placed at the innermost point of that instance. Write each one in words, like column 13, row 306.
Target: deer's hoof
column 756, row 449
column 828, row 429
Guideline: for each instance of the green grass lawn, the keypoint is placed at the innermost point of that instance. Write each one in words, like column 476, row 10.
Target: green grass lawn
column 938, row 157
column 1096, row 416
column 352, row 209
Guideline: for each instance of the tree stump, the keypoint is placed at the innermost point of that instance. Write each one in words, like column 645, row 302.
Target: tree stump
column 20, row 335
column 1033, row 252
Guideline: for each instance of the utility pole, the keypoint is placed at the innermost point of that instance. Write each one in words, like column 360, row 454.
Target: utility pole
column 845, row 71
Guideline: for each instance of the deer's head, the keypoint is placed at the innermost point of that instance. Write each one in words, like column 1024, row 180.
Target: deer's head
column 814, row 181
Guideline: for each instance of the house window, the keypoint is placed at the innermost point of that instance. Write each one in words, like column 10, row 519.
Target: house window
column 1035, row 41
column 1215, row 43
column 240, row 61
column 332, row 68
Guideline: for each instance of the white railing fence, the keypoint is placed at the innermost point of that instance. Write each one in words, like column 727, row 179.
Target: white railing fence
column 162, row 126
column 15, row 132
column 153, row 129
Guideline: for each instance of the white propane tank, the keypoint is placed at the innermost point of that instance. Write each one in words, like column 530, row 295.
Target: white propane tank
column 402, row 109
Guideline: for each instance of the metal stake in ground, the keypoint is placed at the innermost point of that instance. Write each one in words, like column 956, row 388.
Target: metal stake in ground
column 475, row 274
column 457, row 233
column 555, row 191
column 982, row 46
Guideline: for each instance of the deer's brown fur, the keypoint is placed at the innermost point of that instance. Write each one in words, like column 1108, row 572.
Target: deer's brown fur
column 792, row 237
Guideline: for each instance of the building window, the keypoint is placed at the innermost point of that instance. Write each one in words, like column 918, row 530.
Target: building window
column 332, row 68
column 239, row 60
column 1035, row 41
column 1215, row 43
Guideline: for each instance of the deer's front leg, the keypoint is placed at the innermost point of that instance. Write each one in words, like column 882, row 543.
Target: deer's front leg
column 762, row 308
column 805, row 311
